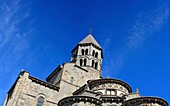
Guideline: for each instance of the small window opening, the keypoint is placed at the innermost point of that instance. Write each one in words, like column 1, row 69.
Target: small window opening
column 96, row 65
column 85, row 61
column 81, row 62
column 40, row 101
column 82, row 51
column 96, row 55
column 92, row 63
column 93, row 53
column 86, row 51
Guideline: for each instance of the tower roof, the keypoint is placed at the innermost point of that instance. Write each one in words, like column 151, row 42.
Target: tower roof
column 90, row 39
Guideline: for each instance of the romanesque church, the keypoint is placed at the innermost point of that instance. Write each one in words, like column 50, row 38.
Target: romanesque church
column 77, row 83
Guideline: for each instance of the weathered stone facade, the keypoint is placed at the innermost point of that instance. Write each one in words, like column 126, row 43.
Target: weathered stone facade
column 77, row 83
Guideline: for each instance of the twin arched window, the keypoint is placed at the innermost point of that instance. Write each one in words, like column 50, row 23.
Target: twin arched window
column 83, row 62
column 95, row 54
column 84, row 52
column 94, row 64
column 110, row 92
column 40, row 101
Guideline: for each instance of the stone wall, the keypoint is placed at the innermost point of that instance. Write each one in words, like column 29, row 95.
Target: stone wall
column 26, row 93
column 79, row 75
column 69, row 79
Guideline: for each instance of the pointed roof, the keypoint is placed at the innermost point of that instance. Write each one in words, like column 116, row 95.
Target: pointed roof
column 90, row 39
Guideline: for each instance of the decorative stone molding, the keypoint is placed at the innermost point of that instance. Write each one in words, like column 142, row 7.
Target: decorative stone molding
column 77, row 99
column 145, row 100
column 107, row 99
column 95, row 83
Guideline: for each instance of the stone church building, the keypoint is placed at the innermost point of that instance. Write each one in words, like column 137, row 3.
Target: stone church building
column 77, row 83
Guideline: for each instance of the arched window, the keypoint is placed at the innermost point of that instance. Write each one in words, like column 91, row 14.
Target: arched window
column 96, row 55
column 96, row 65
column 86, row 51
column 40, row 101
column 71, row 80
column 93, row 53
column 92, row 63
column 110, row 92
column 81, row 62
column 85, row 61
column 82, row 51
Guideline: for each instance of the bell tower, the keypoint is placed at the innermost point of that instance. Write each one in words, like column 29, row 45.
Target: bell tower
column 88, row 54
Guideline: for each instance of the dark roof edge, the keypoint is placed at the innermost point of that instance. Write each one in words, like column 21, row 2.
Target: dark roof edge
column 46, row 84
column 78, row 91
column 76, row 99
column 53, row 73
column 86, row 44
column 149, row 99
column 19, row 76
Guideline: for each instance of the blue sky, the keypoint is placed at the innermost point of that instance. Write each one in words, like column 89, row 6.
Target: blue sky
column 38, row 35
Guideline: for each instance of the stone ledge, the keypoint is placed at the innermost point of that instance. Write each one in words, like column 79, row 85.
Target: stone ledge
column 46, row 84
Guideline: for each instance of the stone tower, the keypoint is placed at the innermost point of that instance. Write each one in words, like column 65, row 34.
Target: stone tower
column 88, row 54
column 85, row 64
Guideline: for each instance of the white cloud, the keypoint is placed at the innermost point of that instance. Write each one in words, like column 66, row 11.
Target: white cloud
column 13, row 41
column 146, row 24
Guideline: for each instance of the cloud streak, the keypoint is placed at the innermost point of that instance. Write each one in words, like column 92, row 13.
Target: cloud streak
column 8, row 25
column 13, row 40
column 145, row 26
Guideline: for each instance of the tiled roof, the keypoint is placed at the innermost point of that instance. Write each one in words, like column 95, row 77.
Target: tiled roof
column 90, row 39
